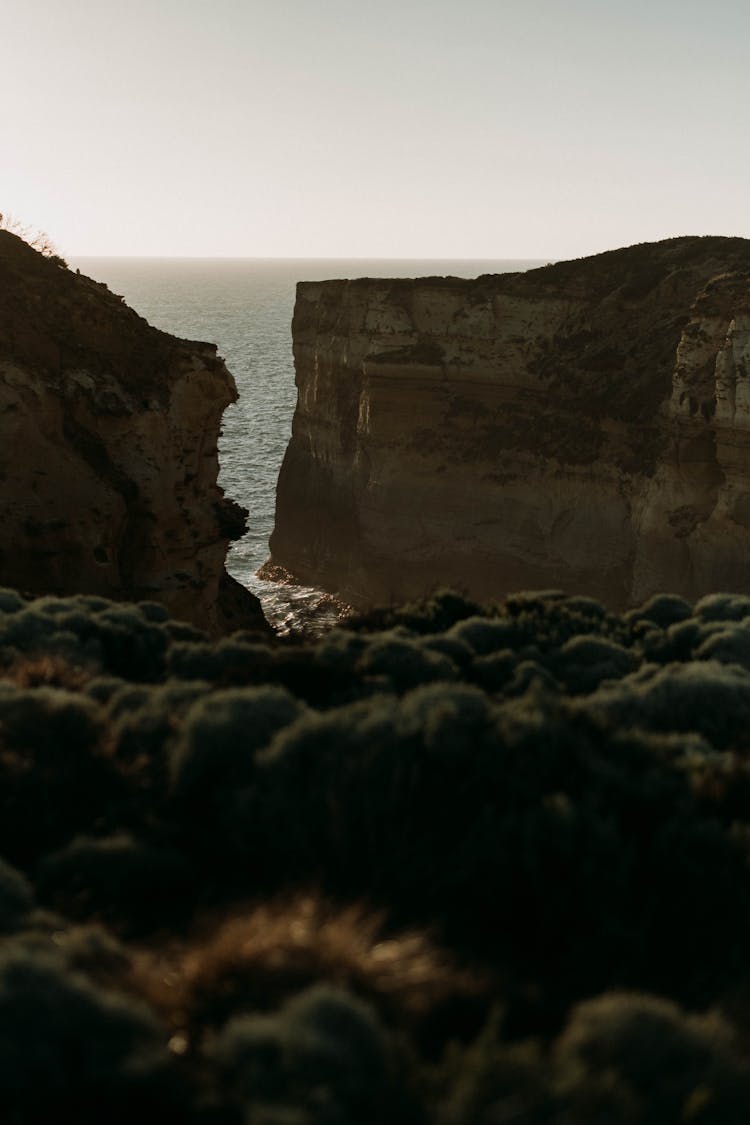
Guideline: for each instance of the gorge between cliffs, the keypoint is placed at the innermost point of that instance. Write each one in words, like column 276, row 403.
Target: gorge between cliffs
column 582, row 426
column 451, row 863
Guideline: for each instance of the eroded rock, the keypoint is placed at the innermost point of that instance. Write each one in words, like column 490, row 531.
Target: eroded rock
column 108, row 457
column 584, row 426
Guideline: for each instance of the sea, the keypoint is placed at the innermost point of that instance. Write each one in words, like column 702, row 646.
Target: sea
column 245, row 306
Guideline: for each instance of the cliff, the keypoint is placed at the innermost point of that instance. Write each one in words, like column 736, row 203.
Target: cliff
column 108, row 458
column 584, row 426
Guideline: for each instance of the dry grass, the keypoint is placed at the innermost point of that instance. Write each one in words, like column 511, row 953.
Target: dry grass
column 46, row 671
column 255, row 961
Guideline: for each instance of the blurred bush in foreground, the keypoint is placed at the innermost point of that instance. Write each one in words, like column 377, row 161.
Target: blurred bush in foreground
column 448, row 863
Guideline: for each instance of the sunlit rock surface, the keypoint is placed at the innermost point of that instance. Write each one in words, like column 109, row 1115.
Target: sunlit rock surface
column 108, row 458
column 584, row 426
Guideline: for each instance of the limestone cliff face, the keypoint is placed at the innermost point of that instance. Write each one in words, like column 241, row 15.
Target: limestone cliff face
column 108, row 458
column 584, row 426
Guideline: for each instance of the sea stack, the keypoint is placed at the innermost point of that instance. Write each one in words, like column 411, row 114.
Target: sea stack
column 583, row 426
column 108, row 456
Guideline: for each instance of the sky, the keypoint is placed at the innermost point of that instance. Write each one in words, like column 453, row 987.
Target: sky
column 403, row 128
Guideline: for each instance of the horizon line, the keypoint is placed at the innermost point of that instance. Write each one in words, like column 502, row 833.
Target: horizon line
column 306, row 258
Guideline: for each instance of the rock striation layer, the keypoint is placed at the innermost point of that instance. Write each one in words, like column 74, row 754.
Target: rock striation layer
column 584, row 426
column 108, row 456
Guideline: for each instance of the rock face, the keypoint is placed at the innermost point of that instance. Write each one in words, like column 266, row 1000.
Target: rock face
column 108, row 458
column 584, row 426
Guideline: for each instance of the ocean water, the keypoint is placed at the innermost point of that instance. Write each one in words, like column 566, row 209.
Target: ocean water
column 245, row 305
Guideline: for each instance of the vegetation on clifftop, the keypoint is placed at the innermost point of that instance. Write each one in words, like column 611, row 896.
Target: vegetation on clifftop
column 451, row 863
column 37, row 239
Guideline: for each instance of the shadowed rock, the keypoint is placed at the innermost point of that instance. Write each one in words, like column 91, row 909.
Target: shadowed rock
column 585, row 425
column 108, row 457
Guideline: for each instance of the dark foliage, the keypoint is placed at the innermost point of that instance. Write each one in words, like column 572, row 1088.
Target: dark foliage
column 585, row 661
column 55, row 777
column 125, row 640
column 130, row 884
column 710, row 698
column 222, row 734
column 400, row 663
column 71, row 1051
column 16, row 899
column 723, row 607
column 323, row 1058
column 662, row 610
column 213, row 762
column 637, row 1058
column 556, row 797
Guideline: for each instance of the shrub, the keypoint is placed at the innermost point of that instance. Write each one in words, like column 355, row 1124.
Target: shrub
column 127, row 699
column 89, row 951
column 27, row 629
column 323, row 1055
column 427, row 616
column 102, row 688
column 178, row 631
column 728, row 646
column 213, row 765
column 582, row 606
column 152, row 611
column 489, row 1081
column 494, row 671
column 56, row 777
column 461, row 654
column 115, row 637
column 119, row 879
column 192, row 660
column 16, row 898
column 10, row 601
column 364, row 772
column 709, row 698
column 222, row 734
column 484, row 635
column 547, row 619
column 242, row 661
column 626, row 1058
column 47, row 670
column 404, row 664
column 339, row 650
column 723, row 607
column 585, row 661
column 675, row 644
column 144, row 723
column 131, row 645
column 70, row 1051
column 529, row 676
column 507, row 825
column 662, row 610
column 257, row 960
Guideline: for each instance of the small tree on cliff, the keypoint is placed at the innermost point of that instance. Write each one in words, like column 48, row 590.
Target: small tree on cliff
column 37, row 239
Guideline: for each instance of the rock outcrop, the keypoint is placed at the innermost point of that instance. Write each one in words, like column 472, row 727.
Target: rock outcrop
column 584, row 426
column 108, row 457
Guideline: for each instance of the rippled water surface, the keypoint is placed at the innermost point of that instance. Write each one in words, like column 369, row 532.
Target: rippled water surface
column 245, row 306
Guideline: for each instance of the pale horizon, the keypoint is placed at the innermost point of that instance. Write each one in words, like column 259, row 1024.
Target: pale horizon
column 306, row 257
column 430, row 130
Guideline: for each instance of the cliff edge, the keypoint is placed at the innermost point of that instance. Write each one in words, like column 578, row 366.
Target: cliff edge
column 584, row 426
column 108, row 458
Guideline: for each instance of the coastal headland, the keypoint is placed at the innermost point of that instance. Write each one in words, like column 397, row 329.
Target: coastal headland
column 583, row 426
column 108, row 454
